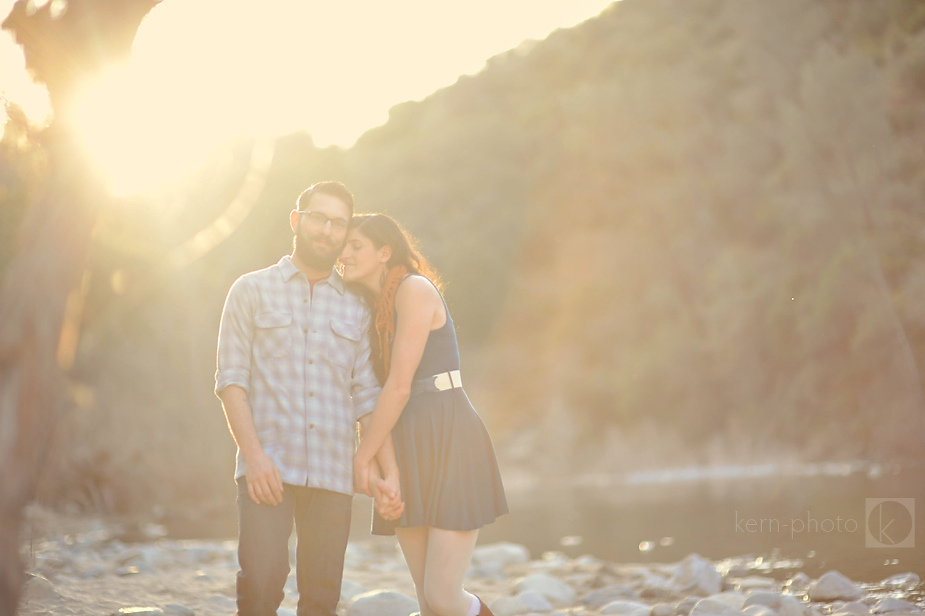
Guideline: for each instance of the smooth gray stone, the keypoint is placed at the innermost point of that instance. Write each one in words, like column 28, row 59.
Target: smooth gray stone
column 626, row 608
column 712, row 607
column 175, row 609
column 507, row 606
column 798, row 583
column 139, row 611
column 502, row 554
column 832, row 586
column 556, row 591
column 534, row 601
column 892, row 604
column 221, row 603
column 759, row 610
column 763, row 597
column 732, row 598
column 858, row 608
column 38, row 589
column 602, row 596
column 382, row 603
column 686, row 605
column 791, row 606
column 283, row 611
column 491, row 571
column 664, row 609
column 906, row 581
column 696, row 575
column 350, row 589
column 756, row 582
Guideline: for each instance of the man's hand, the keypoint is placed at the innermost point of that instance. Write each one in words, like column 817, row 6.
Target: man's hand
column 263, row 482
column 361, row 472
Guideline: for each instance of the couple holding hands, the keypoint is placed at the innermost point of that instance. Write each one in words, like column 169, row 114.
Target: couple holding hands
column 306, row 351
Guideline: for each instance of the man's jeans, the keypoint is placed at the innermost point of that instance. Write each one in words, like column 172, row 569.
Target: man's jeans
column 322, row 521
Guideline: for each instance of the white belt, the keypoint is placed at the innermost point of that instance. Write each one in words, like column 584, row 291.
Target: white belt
column 438, row 382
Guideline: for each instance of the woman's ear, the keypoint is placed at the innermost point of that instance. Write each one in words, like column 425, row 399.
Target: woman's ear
column 385, row 253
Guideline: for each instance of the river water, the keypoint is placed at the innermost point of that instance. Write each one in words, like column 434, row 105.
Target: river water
column 856, row 518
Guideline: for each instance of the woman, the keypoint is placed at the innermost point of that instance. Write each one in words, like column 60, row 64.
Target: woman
column 450, row 482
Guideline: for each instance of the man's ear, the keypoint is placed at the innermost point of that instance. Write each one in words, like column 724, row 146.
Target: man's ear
column 294, row 220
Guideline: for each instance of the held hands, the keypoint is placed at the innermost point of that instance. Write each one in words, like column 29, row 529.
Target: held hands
column 264, row 485
column 387, row 494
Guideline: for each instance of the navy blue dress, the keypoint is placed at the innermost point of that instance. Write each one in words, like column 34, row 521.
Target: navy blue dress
column 449, row 473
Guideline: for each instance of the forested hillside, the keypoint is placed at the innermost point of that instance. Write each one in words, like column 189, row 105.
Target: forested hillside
column 685, row 226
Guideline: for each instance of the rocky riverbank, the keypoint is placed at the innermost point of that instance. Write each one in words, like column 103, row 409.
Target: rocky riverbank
column 96, row 571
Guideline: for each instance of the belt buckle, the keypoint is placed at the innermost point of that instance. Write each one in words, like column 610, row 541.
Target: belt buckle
column 442, row 381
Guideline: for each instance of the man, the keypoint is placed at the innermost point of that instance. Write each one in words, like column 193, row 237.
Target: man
column 294, row 375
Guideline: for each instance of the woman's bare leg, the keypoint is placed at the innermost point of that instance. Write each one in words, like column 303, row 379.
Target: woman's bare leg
column 449, row 553
column 413, row 542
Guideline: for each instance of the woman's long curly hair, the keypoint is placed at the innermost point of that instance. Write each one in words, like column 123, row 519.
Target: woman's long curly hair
column 382, row 230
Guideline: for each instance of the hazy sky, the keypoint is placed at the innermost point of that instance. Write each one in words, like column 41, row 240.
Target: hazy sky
column 205, row 70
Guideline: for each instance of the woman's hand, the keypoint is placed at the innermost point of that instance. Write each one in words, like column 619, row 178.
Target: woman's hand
column 387, row 493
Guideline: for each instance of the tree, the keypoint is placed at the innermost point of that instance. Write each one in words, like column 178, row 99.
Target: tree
column 63, row 44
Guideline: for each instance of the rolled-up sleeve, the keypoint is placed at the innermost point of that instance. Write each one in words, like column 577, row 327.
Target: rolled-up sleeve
column 235, row 337
column 364, row 388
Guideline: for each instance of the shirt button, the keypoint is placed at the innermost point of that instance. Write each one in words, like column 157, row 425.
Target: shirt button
column 311, row 426
column 304, row 301
column 311, row 394
column 305, row 331
column 311, row 361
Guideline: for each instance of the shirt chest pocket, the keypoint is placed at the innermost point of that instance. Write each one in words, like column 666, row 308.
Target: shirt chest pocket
column 343, row 343
column 271, row 335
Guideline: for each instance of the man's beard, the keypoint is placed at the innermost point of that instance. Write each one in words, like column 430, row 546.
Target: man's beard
column 310, row 256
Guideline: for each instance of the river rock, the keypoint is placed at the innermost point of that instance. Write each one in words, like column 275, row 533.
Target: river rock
column 686, row 605
column 754, row 582
column 491, row 571
column 221, row 603
column 556, row 591
column 798, row 583
column 759, row 610
column 501, row 554
column 382, row 603
column 698, row 576
column 654, row 586
column 350, row 589
column 833, row 585
column 892, row 604
column 284, row 611
column 508, row 606
column 175, row 609
column 712, row 607
column 139, row 611
column 38, row 589
column 733, row 599
column 664, row 609
column 626, row 608
column 783, row 605
column 903, row 581
column 602, row 596
column 535, row 602
column 857, row 608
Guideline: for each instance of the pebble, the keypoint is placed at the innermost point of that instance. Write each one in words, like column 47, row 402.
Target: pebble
column 904, row 581
column 833, row 585
column 534, row 601
column 664, row 609
column 892, row 604
column 139, row 611
column 175, row 609
column 38, row 589
column 712, row 607
column 382, row 603
column 556, row 591
column 602, row 596
column 696, row 575
column 502, row 554
column 508, row 606
column 626, row 608
column 759, row 610
column 853, row 607
column 798, row 583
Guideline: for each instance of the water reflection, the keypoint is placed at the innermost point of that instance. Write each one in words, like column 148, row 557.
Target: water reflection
column 812, row 517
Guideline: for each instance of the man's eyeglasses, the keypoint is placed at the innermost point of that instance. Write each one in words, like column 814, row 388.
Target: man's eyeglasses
column 318, row 219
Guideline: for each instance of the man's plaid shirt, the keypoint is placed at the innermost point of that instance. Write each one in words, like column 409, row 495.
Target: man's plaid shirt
column 304, row 360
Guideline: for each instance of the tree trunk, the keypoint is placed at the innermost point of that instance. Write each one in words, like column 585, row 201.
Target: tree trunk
column 48, row 263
